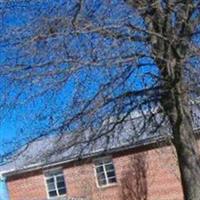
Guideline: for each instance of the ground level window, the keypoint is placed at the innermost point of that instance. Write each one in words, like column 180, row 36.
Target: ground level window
column 55, row 183
column 105, row 172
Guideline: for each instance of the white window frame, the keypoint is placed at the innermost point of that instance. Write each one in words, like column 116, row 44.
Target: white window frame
column 103, row 159
column 47, row 175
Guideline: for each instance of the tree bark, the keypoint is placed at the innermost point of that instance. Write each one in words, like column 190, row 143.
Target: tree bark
column 185, row 142
column 188, row 160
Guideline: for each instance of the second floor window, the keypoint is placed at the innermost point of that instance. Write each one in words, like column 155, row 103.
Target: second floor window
column 55, row 183
column 105, row 172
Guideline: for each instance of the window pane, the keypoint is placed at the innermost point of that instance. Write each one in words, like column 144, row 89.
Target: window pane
column 61, row 185
column 56, row 184
column 60, row 178
column 109, row 167
column 105, row 171
column 51, row 186
column 110, row 174
column 101, row 175
column 99, row 169
column 50, row 180
column 62, row 191
column 52, row 193
column 112, row 180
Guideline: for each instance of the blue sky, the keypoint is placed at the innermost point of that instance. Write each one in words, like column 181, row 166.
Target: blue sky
column 20, row 122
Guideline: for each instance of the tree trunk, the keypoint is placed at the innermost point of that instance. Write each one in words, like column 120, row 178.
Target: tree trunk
column 188, row 160
column 185, row 143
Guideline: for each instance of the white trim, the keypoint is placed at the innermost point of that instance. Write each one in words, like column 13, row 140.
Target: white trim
column 46, row 188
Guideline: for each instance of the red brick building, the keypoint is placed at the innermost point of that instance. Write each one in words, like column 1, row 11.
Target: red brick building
column 147, row 172
column 144, row 169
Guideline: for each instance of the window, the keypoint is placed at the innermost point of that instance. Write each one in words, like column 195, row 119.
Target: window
column 55, row 182
column 105, row 172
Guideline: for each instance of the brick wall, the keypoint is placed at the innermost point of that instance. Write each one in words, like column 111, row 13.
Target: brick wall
column 29, row 186
column 147, row 174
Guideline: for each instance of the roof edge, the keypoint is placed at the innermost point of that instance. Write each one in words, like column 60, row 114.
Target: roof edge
column 145, row 142
column 39, row 166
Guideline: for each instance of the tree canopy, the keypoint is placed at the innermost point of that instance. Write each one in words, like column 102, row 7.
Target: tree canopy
column 74, row 65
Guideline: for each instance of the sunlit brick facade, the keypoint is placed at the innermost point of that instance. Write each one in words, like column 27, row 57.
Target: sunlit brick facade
column 159, row 179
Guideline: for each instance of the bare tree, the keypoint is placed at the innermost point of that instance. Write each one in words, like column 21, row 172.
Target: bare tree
column 112, row 59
